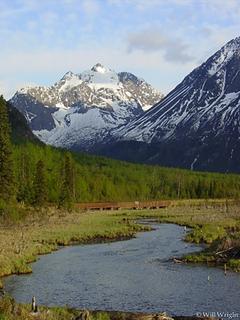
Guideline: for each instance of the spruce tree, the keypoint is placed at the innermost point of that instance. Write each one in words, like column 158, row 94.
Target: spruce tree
column 24, row 193
column 67, row 193
column 40, row 185
column 6, row 163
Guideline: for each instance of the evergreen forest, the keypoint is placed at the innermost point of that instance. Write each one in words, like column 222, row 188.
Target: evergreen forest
column 36, row 174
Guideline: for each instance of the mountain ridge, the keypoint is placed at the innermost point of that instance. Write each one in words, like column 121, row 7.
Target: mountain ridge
column 208, row 81
column 79, row 111
column 198, row 120
column 20, row 131
column 196, row 126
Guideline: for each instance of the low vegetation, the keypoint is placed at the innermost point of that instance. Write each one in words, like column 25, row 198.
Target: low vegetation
column 9, row 310
column 213, row 223
column 40, row 231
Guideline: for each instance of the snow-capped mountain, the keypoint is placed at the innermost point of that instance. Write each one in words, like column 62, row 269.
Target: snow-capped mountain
column 80, row 110
column 197, row 125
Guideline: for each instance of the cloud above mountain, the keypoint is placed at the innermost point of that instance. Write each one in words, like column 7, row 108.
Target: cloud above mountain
column 174, row 50
column 158, row 40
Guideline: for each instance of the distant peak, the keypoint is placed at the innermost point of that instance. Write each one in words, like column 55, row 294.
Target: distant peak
column 99, row 68
column 236, row 40
column 233, row 45
column 68, row 75
column 219, row 59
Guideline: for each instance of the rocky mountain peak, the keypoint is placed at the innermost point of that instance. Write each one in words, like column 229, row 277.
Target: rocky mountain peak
column 127, row 76
column 100, row 68
column 68, row 75
column 234, row 44
column 199, row 119
column 223, row 56
column 79, row 110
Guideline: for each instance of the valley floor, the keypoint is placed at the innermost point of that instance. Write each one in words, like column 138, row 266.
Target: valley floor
column 214, row 222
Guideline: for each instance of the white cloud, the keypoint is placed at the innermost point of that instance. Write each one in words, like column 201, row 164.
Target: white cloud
column 49, row 66
column 164, row 38
column 174, row 50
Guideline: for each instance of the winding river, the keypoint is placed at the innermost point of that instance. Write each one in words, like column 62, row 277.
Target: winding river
column 132, row 275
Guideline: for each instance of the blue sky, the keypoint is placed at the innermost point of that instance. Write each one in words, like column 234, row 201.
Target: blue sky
column 158, row 40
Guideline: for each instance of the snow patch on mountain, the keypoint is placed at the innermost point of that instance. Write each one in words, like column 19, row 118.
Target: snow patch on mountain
column 70, row 82
column 206, row 101
column 101, row 77
column 224, row 55
column 81, row 109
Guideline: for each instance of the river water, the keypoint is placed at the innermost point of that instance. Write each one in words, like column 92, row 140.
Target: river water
column 132, row 275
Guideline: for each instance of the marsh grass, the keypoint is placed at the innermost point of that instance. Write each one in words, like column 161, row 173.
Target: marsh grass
column 10, row 310
column 215, row 223
column 32, row 232
column 43, row 232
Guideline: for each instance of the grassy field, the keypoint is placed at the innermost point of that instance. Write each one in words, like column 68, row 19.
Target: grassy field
column 41, row 233
column 216, row 223
column 213, row 222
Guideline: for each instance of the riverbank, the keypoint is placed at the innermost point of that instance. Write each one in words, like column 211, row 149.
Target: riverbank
column 9, row 310
column 214, row 222
column 44, row 231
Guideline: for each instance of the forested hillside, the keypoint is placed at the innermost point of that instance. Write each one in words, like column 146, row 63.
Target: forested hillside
column 20, row 130
column 100, row 179
column 43, row 174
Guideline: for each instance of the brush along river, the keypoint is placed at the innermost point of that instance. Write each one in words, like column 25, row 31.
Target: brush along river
column 131, row 275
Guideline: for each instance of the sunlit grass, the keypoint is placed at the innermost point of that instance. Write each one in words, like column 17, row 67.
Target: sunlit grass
column 42, row 231
column 21, row 243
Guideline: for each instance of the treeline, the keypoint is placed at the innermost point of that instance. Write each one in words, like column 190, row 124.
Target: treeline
column 91, row 178
column 38, row 182
column 24, row 175
column 36, row 174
